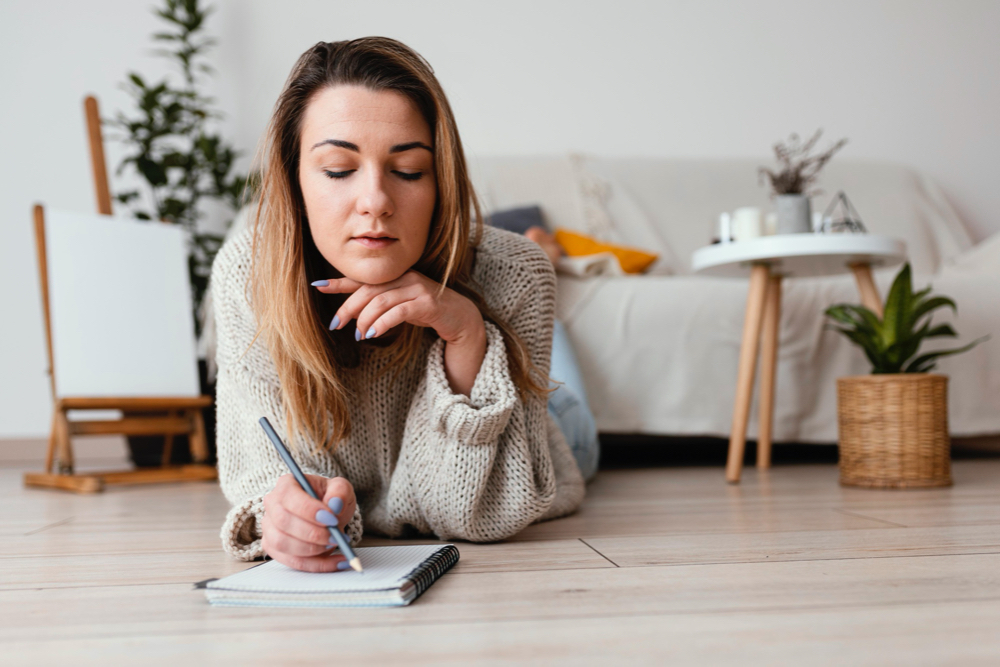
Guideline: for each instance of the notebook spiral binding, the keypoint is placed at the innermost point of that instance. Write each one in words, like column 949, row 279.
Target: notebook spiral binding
column 427, row 572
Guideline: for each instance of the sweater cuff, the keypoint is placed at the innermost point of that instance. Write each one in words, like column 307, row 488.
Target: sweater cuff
column 243, row 528
column 354, row 528
column 241, row 533
column 482, row 416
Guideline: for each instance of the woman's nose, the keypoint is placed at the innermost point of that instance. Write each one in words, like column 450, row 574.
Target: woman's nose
column 374, row 200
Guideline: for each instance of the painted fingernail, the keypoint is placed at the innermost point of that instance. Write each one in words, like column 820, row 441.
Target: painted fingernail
column 326, row 518
column 336, row 505
column 335, row 322
column 357, row 334
column 370, row 333
column 320, row 283
column 343, row 565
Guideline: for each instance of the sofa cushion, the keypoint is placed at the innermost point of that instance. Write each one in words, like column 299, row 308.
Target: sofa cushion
column 571, row 197
column 518, row 220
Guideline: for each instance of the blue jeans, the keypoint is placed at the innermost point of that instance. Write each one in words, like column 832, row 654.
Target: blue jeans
column 568, row 405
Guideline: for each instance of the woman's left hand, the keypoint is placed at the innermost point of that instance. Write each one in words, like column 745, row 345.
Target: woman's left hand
column 415, row 298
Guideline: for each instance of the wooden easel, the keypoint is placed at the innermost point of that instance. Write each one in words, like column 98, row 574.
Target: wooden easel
column 170, row 415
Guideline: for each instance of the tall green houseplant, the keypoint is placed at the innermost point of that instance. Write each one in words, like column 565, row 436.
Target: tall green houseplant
column 172, row 147
column 891, row 342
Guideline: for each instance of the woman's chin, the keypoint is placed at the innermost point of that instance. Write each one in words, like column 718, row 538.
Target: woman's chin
column 374, row 272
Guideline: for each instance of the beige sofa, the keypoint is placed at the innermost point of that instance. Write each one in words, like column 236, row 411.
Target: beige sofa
column 658, row 352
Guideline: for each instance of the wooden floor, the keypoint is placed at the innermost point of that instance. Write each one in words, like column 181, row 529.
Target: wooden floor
column 661, row 564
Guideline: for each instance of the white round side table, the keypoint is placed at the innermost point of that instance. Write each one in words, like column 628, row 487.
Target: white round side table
column 767, row 260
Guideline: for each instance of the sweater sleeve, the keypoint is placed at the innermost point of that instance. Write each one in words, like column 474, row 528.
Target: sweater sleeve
column 247, row 388
column 480, row 467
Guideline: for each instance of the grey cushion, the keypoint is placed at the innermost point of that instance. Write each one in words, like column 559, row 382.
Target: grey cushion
column 518, row 220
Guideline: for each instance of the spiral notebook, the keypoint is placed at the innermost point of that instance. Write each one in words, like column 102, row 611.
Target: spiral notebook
column 393, row 577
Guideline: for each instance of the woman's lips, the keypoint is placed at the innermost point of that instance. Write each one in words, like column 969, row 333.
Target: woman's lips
column 369, row 242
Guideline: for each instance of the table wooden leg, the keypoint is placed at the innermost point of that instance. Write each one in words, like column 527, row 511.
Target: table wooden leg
column 759, row 275
column 768, row 368
column 866, row 287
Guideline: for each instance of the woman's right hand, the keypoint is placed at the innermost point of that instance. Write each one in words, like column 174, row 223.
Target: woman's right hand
column 295, row 523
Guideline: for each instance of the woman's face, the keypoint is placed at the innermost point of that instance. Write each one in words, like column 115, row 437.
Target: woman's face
column 366, row 170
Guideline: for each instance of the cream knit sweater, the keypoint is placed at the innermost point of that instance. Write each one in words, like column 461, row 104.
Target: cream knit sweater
column 422, row 459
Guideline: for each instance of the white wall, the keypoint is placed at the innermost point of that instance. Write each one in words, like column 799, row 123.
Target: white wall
column 913, row 82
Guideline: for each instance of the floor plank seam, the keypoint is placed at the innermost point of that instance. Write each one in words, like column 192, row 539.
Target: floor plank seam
column 622, row 567
column 743, row 531
column 51, row 525
column 71, row 587
column 871, row 518
column 599, row 553
column 324, row 624
column 113, row 553
column 43, row 587
column 811, row 560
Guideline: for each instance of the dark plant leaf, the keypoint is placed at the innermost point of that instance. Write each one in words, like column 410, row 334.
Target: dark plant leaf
column 895, row 307
column 173, row 209
column 904, row 348
column 940, row 330
column 930, row 305
column 921, row 361
column 867, row 344
column 153, row 171
column 869, row 323
column 126, row 197
column 839, row 312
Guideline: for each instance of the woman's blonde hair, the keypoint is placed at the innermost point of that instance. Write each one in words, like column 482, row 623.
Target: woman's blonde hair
column 292, row 316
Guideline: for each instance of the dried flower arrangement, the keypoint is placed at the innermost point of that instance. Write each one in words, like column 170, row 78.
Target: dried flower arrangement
column 798, row 169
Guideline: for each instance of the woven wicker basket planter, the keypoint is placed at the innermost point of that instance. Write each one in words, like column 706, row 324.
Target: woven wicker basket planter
column 894, row 430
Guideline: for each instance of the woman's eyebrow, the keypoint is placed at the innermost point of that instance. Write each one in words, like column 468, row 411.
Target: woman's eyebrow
column 339, row 143
column 398, row 148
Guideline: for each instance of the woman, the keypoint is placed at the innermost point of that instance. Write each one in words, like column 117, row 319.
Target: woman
column 399, row 347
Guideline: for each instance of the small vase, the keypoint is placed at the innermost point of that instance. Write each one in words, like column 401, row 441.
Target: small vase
column 794, row 214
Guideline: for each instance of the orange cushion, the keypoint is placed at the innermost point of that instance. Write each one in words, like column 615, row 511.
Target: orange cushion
column 632, row 260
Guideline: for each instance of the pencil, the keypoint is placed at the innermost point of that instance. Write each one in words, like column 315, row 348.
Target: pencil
column 345, row 547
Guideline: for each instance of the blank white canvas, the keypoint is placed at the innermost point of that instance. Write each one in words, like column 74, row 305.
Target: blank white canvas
column 120, row 302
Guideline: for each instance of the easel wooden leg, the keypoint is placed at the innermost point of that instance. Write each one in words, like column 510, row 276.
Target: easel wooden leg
column 168, row 443
column 759, row 275
column 63, row 444
column 198, row 440
column 768, row 369
column 76, row 483
column 50, row 454
column 866, row 288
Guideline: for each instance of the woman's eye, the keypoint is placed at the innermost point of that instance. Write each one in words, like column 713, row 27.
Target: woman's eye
column 338, row 174
column 409, row 176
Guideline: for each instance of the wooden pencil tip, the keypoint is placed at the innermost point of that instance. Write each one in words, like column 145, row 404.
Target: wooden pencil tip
column 356, row 564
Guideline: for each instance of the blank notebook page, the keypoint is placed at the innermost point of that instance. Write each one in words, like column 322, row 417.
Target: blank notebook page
column 385, row 568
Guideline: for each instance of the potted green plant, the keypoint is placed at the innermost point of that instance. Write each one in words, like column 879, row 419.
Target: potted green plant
column 893, row 424
column 183, row 164
column 790, row 184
